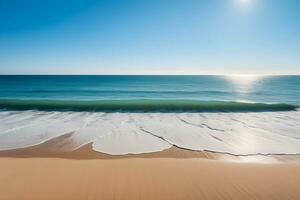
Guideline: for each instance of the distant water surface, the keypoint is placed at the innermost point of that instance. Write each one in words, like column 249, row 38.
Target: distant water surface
column 157, row 90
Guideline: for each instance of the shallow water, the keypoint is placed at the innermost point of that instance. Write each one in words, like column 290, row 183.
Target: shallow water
column 123, row 133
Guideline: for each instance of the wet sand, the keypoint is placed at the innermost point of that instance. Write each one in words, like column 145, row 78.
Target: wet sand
column 47, row 172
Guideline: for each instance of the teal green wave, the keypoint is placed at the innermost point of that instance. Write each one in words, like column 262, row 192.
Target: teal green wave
column 141, row 105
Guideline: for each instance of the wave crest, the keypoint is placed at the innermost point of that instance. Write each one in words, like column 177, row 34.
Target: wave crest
column 142, row 105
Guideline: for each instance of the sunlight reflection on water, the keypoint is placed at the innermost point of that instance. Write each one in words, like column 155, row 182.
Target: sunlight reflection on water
column 244, row 83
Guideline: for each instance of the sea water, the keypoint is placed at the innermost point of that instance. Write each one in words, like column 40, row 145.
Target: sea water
column 240, row 115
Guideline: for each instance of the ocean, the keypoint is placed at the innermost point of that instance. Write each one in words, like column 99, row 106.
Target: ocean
column 148, row 93
column 239, row 115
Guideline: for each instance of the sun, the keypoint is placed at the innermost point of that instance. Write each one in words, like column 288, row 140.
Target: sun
column 244, row 3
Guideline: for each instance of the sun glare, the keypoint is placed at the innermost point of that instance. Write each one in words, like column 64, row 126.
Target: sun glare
column 243, row 82
column 244, row 3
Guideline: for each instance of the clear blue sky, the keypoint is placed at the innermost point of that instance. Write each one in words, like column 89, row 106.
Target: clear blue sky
column 149, row 36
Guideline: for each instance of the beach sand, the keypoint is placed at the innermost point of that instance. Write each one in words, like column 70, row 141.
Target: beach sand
column 47, row 172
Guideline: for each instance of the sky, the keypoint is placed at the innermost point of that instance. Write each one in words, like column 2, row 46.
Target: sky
column 150, row 37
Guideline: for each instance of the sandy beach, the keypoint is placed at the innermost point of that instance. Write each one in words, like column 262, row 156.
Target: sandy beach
column 40, row 172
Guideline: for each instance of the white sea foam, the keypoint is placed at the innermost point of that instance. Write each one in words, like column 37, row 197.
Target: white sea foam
column 123, row 133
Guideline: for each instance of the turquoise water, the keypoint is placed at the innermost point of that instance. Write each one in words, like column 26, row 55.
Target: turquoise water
column 199, row 93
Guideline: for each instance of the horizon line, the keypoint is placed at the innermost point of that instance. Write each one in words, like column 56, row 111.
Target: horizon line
column 71, row 74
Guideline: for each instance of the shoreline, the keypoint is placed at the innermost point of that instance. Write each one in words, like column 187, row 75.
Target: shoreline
column 58, row 148
column 125, row 133
column 87, row 153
